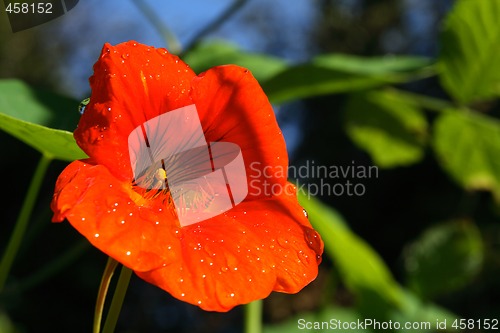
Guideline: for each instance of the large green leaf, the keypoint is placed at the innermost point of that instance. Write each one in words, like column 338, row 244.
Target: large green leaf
column 19, row 100
column 25, row 113
column 389, row 126
column 361, row 268
column 54, row 143
column 365, row 274
column 469, row 63
column 467, row 146
column 445, row 258
column 207, row 55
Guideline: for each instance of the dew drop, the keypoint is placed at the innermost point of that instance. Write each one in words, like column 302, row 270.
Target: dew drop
column 224, row 269
column 199, row 302
column 83, row 218
column 305, row 213
column 232, row 295
column 182, row 295
column 122, row 221
column 128, row 253
column 96, row 235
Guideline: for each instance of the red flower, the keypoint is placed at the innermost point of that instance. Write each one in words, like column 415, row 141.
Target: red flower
column 265, row 243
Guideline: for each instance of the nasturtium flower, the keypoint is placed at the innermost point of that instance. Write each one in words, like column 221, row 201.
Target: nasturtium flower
column 263, row 244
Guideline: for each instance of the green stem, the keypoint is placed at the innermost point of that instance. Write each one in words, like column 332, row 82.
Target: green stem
column 118, row 297
column 253, row 317
column 109, row 270
column 23, row 219
column 173, row 44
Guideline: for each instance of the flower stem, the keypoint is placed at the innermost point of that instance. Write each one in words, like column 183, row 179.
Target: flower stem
column 253, row 317
column 23, row 219
column 118, row 297
column 109, row 270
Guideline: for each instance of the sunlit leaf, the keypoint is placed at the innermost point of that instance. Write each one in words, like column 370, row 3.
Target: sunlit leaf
column 25, row 113
column 390, row 127
column 470, row 45
column 445, row 258
column 19, row 100
column 467, row 146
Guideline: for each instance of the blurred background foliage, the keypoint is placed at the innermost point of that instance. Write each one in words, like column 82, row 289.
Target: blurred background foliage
column 408, row 86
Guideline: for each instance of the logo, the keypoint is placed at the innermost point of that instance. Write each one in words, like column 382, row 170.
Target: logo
column 28, row 14
column 170, row 153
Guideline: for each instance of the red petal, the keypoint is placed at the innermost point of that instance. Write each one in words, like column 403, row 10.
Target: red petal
column 233, row 108
column 140, row 235
column 243, row 255
column 131, row 84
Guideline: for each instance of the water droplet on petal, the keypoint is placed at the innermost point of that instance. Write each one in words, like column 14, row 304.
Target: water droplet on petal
column 96, row 235
column 305, row 213
column 128, row 253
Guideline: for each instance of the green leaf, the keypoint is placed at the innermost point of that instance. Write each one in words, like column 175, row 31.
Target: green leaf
column 445, row 258
column 19, row 100
column 212, row 54
column 467, row 146
column 338, row 73
column 310, row 80
column 470, row 69
column 423, row 313
column 361, row 268
column 364, row 273
column 54, row 143
column 389, row 126
column 24, row 111
column 373, row 65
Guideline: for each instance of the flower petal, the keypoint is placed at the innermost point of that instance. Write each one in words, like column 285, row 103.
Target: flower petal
column 243, row 255
column 132, row 83
column 141, row 235
column 233, row 108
